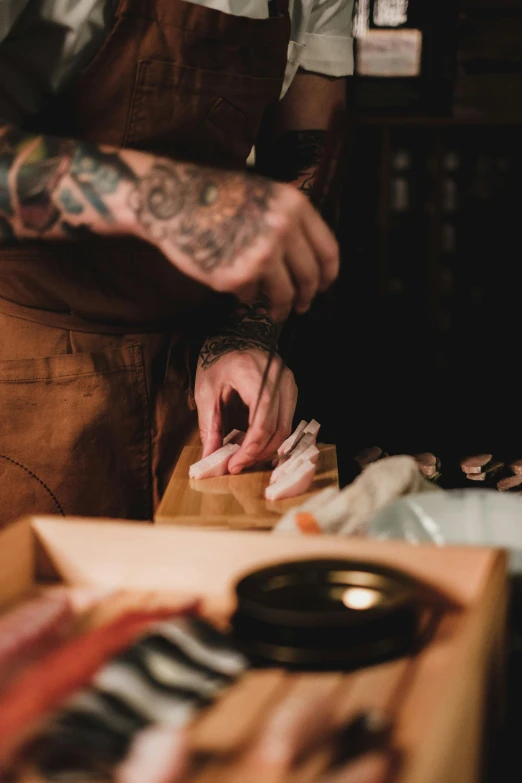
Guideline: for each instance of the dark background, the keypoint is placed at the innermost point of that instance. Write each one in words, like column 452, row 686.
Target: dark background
column 419, row 346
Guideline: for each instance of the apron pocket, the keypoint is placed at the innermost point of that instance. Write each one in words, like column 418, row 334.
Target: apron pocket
column 75, row 436
column 196, row 114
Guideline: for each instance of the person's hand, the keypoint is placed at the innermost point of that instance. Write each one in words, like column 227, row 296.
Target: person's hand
column 236, row 232
column 236, row 378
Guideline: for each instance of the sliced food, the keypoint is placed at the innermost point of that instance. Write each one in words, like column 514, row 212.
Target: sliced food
column 292, row 440
column 293, row 483
column 216, row 464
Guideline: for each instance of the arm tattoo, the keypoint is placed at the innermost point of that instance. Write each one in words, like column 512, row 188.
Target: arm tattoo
column 209, row 216
column 98, row 174
column 49, row 185
column 32, row 172
column 41, row 166
column 250, row 328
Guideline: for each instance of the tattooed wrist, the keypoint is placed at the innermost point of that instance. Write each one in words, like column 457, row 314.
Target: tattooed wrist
column 207, row 214
column 250, row 328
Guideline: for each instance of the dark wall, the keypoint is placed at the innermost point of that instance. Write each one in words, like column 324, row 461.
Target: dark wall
column 418, row 346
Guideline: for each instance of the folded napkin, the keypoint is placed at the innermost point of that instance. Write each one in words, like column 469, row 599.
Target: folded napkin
column 347, row 512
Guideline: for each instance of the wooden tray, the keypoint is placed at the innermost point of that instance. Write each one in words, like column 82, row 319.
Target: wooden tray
column 233, row 502
column 439, row 725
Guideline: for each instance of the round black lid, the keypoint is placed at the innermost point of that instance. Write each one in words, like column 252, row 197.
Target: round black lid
column 325, row 613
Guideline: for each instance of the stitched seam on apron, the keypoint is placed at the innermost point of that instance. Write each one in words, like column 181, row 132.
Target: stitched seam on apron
column 147, row 457
column 70, row 375
column 39, row 480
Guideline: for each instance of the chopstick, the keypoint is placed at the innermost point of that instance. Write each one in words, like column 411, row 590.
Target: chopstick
column 326, row 189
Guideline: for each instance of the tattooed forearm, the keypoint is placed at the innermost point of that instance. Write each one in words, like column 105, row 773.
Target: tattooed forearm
column 45, row 182
column 250, row 328
column 208, row 217
column 98, row 174
column 39, row 168
column 49, row 183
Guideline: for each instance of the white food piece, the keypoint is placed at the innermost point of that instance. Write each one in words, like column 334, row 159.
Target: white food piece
column 311, row 453
column 158, row 754
column 312, row 428
column 293, row 483
column 234, row 436
column 293, row 439
column 306, row 441
column 216, row 464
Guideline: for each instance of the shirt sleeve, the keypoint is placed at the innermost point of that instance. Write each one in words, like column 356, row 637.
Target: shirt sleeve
column 10, row 10
column 329, row 41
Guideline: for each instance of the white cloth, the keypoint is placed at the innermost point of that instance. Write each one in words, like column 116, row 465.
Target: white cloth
column 348, row 512
column 46, row 43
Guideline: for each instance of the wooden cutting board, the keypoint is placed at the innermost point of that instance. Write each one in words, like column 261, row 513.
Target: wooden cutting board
column 233, row 502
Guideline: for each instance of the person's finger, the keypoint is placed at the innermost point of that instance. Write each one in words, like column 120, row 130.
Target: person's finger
column 287, row 405
column 210, row 423
column 254, row 445
column 278, row 287
column 323, row 243
column 261, row 429
column 373, row 767
column 304, row 269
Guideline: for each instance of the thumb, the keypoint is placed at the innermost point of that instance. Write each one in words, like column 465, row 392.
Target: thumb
column 210, row 428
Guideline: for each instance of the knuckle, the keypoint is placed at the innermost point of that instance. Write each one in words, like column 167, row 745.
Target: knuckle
column 309, row 281
column 282, row 224
column 265, row 431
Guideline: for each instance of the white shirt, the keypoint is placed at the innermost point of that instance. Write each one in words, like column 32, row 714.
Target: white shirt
column 44, row 44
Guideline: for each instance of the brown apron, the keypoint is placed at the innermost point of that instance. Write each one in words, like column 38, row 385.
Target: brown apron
column 93, row 335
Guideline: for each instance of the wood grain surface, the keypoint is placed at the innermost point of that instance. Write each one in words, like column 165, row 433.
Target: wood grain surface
column 235, row 502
